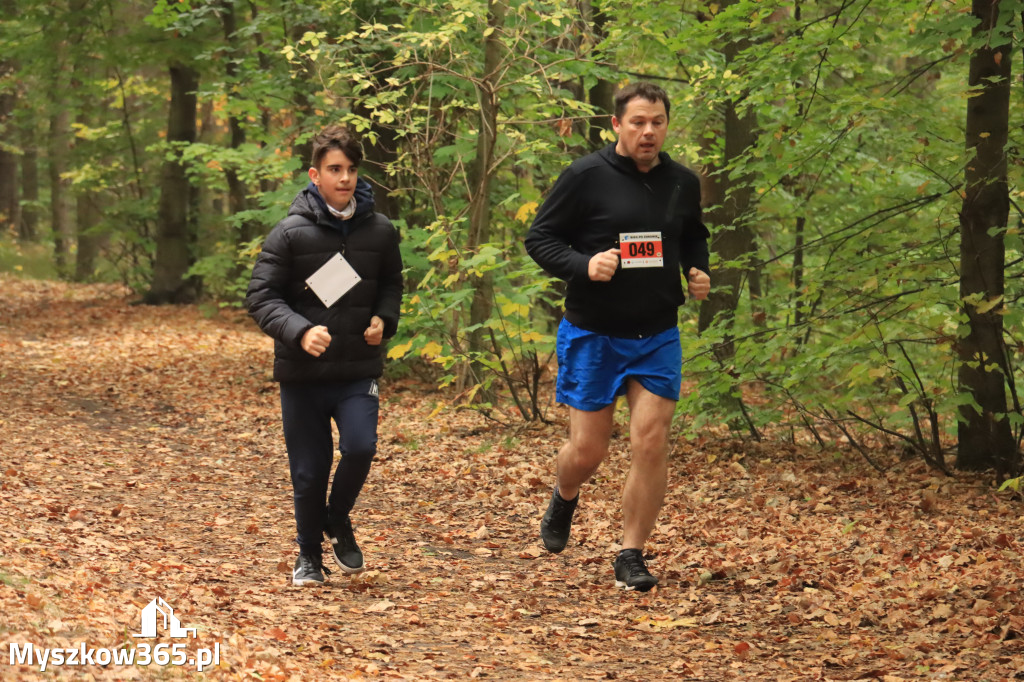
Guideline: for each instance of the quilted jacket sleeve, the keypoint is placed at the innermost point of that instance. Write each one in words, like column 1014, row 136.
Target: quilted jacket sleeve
column 266, row 297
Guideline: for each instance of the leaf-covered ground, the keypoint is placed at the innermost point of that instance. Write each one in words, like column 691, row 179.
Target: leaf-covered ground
column 143, row 458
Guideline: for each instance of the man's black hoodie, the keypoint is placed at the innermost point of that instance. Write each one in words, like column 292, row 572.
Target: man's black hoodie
column 594, row 200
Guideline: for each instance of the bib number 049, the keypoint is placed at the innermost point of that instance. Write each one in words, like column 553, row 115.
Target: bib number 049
column 641, row 250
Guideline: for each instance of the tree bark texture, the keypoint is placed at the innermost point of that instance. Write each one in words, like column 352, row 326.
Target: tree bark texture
column 28, row 227
column 381, row 151
column 87, row 214
column 733, row 239
column 175, row 222
column 601, row 95
column 238, row 193
column 10, row 216
column 302, row 108
column 480, row 180
column 58, row 151
column 89, row 243
column 984, row 435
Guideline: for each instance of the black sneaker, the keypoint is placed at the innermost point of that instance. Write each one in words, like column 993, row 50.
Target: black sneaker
column 557, row 521
column 309, row 571
column 343, row 546
column 631, row 572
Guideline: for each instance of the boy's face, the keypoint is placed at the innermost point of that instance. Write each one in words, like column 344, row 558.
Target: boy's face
column 335, row 178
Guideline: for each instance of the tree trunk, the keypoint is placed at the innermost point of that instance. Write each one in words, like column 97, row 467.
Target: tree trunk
column 59, row 149
column 798, row 271
column 9, row 208
column 378, row 153
column 87, row 215
column 302, row 108
column 734, row 238
column 238, row 193
column 984, row 435
column 28, row 227
column 302, row 148
column 602, row 94
column 89, row 243
column 479, row 204
column 176, row 219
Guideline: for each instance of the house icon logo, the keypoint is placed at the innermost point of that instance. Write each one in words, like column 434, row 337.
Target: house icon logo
column 151, row 619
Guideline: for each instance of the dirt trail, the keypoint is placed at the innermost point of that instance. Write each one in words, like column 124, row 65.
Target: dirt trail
column 142, row 458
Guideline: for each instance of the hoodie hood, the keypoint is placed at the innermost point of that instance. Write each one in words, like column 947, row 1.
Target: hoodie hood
column 310, row 204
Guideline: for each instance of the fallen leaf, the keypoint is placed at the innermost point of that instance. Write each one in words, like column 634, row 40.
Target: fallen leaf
column 380, row 606
column 277, row 633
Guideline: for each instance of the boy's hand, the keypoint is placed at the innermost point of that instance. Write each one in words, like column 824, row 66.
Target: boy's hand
column 374, row 334
column 698, row 284
column 315, row 340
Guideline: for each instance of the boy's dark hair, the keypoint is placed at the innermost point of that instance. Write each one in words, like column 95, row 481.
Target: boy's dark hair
column 648, row 91
column 336, row 137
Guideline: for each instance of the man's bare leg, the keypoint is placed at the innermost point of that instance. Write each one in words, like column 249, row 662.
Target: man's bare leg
column 578, row 459
column 650, row 420
column 586, row 448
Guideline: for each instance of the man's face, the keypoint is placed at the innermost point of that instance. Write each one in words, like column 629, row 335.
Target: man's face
column 641, row 131
column 336, row 178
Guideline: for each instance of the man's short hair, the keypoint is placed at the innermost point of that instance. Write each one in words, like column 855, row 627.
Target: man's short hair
column 336, row 137
column 643, row 89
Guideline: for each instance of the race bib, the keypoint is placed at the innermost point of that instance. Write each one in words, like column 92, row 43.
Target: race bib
column 333, row 280
column 641, row 250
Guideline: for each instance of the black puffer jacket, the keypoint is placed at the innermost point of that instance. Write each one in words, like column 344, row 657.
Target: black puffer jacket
column 285, row 308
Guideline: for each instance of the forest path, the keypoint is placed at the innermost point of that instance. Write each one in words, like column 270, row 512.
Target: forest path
column 143, row 458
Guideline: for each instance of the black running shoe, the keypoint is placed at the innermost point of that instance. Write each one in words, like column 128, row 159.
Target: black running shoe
column 631, row 572
column 557, row 521
column 343, row 546
column 309, row 571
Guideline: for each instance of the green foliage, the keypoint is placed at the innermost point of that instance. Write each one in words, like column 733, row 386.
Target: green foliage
column 225, row 270
column 856, row 170
column 1014, row 484
column 425, row 96
column 863, row 146
column 434, row 334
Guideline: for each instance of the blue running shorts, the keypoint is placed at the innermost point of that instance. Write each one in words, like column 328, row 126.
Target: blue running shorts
column 593, row 368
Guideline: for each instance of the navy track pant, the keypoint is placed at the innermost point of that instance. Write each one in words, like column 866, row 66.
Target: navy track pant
column 307, row 411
